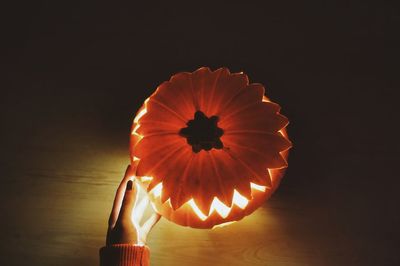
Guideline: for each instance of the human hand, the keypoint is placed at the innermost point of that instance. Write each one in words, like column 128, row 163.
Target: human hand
column 125, row 218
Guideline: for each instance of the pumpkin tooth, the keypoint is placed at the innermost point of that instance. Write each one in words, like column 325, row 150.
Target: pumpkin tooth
column 153, row 184
column 244, row 189
column 172, row 175
column 165, row 195
column 265, row 181
column 229, row 167
column 225, row 195
column 282, row 162
column 204, row 203
column 180, row 195
column 282, row 121
column 257, row 169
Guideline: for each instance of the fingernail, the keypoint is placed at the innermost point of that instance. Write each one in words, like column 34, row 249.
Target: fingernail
column 129, row 185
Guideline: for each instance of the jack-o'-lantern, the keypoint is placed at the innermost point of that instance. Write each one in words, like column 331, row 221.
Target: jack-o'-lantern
column 209, row 147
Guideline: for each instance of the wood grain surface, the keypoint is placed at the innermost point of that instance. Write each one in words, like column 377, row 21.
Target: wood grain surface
column 57, row 192
column 76, row 73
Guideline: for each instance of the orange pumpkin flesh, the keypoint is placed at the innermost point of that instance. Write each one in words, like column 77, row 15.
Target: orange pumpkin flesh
column 209, row 147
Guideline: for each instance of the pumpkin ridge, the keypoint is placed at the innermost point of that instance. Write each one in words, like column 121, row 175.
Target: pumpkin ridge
column 244, row 107
column 257, row 152
column 161, row 133
column 266, row 179
column 139, row 145
column 170, row 93
column 243, row 190
column 248, row 131
column 169, row 180
column 167, row 156
column 226, row 199
column 271, row 141
column 211, row 98
column 267, row 121
column 195, row 99
column 158, row 122
column 168, row 109
column 227, row 88
column 241, row 109
column 239, row 92
column 176, row 203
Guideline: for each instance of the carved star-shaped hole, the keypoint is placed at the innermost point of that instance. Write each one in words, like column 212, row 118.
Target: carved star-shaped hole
column 203, row 133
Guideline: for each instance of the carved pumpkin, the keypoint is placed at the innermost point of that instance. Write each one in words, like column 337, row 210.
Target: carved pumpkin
column 209, row 147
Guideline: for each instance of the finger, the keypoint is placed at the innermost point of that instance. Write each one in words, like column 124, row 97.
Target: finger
column 139, row 209
column 125, row 213
column 149, row 224
column 119, row 195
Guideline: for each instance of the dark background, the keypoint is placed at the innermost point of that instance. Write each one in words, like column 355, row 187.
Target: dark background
column 74, row 74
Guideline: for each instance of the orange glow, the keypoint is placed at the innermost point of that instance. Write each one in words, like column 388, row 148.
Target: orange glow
column 196, row 210
column 145, row 178
column 239, row 200
column 139, row 115
column 223, row 224
column 216, row 205
column 157, row 190
column 258, row 187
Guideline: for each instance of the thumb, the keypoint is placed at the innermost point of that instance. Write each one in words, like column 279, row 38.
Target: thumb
column 129, row 201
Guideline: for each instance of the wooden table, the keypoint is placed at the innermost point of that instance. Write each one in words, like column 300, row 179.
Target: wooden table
column 76, row 73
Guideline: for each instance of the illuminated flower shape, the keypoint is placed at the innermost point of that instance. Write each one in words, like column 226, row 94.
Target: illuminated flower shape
column 209, row 147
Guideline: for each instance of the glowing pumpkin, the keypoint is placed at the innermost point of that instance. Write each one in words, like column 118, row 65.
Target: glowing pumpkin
column 209, row 147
